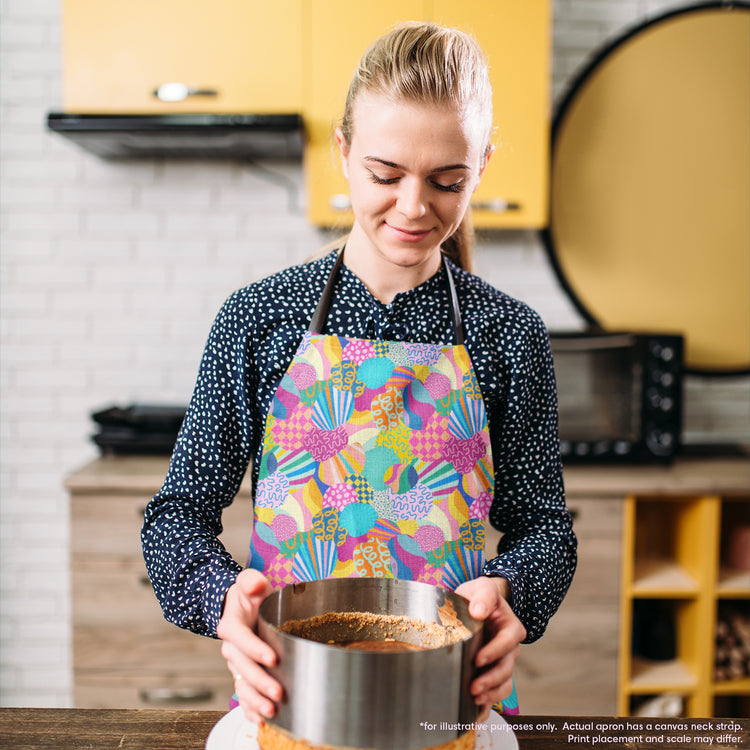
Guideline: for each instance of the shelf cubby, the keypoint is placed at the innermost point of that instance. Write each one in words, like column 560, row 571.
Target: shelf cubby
column 675, row 566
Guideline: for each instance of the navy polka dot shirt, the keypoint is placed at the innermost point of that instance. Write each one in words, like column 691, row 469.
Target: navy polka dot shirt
column 250, row 347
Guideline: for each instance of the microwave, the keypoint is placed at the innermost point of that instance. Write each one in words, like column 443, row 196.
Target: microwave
column 619, row 395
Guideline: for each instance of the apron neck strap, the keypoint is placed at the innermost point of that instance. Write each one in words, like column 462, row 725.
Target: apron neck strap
column 321, row 312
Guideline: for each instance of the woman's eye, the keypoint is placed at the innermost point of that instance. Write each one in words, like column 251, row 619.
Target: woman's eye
column 454, row 187
column 378, row 180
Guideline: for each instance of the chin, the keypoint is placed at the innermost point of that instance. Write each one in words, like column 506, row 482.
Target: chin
column 407, row 259
column 409, row 255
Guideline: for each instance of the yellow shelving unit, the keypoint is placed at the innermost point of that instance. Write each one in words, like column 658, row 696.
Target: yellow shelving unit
column 674, row 558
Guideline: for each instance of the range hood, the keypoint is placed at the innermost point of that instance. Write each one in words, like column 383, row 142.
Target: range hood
column 217, row 136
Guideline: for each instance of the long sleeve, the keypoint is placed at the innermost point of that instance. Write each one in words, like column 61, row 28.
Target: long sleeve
column 537, row 552
column 249, row 348
column 189, row 568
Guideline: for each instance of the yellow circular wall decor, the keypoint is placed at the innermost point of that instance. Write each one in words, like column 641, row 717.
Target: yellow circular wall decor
column 650, row 184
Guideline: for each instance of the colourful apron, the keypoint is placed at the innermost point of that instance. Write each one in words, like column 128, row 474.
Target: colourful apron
column 376, row 462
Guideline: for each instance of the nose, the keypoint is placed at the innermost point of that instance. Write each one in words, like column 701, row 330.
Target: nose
column 412, row 201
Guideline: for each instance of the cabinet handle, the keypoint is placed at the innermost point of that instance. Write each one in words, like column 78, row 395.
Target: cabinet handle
column 177, row 92
column 177, row 695
column 496, row 205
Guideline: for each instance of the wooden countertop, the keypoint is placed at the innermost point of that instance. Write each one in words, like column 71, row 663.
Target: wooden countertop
column 689, row 475
column 133, row 729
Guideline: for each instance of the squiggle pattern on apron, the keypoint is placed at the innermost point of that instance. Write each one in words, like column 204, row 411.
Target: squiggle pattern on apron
column 376, row 463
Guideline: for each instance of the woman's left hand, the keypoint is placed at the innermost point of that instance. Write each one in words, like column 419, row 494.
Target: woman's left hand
column 488, row 601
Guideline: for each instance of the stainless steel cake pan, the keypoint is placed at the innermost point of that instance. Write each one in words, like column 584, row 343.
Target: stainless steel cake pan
column 365, row 699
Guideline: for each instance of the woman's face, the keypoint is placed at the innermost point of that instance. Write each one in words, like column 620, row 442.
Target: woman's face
column 412, row 169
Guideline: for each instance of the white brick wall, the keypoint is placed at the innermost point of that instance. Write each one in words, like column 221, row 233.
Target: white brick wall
column 111, row 275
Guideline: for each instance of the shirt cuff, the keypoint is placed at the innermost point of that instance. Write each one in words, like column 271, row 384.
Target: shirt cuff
column 517, row 601
column 213, row 598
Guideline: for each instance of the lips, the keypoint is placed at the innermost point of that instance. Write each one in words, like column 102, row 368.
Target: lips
column 409, row 235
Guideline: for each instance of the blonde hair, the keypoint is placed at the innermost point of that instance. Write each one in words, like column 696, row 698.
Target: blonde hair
column 428, row 64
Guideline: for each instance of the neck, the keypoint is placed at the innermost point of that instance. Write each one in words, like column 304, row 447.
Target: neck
column 385, row 277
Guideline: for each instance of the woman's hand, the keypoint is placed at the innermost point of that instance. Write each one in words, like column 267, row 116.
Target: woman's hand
column 245, row 652
column 488, row 601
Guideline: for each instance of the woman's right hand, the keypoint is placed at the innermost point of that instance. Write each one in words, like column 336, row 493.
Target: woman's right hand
column 245, row 652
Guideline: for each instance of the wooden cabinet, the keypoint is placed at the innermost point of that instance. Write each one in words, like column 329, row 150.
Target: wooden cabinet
column 572, row 669
column 248, row 53
column 647, row 534
column 125, row 655
column 676, row 579
column 516, row 39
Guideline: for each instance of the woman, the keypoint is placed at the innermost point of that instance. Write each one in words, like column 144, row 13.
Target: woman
column 380, row 441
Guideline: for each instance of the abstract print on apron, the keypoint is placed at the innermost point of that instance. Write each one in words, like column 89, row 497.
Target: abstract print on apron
column 376, row 462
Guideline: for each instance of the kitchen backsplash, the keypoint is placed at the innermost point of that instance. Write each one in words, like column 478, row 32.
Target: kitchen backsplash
column 111, row 276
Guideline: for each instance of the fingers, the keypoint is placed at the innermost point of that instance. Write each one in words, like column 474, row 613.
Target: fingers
column 484, row 595
column 258, row 692
column 245, row 652
column 507, row 633
column 237, row 624
column 488, row 601
column 254, row 706
column 489, row 699
column 242, row 638
column 495, row 683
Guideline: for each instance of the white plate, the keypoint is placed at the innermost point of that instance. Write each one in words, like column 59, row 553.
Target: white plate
column 234, row 732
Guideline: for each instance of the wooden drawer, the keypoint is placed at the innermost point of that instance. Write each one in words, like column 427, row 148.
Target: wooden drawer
column 572, row 669
column 153, row 649
column 113, row 690
column 125, row 654
column 597, row 523
column 108, row 526
column 113, row 593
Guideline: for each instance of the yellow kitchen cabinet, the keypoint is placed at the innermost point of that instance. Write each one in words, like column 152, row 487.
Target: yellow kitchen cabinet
column 340, row 31
column 675, row 568
column 516, row 38
column 239, row 56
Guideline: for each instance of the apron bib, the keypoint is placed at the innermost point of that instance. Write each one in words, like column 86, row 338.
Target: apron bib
column 376, row 462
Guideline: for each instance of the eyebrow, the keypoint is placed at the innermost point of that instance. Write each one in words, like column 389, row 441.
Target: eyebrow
column 393, row 165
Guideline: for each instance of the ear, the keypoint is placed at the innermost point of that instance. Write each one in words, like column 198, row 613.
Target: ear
column 343, row 150
column 483, row 165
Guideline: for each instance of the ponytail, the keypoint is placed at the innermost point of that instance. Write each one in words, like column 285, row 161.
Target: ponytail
column 458, row 248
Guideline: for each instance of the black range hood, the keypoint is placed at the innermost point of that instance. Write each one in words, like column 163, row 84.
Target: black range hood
column 216, row 136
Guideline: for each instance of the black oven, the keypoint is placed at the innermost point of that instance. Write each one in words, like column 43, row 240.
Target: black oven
column 619, row 394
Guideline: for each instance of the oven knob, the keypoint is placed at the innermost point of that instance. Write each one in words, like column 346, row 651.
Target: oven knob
column 622, row 447
column 667, row 354
column 582, row 449
column 667, row 379
column 654, row 398
column 660, row 443
column 602, row 447
column 667, row 404
column 565, row 448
